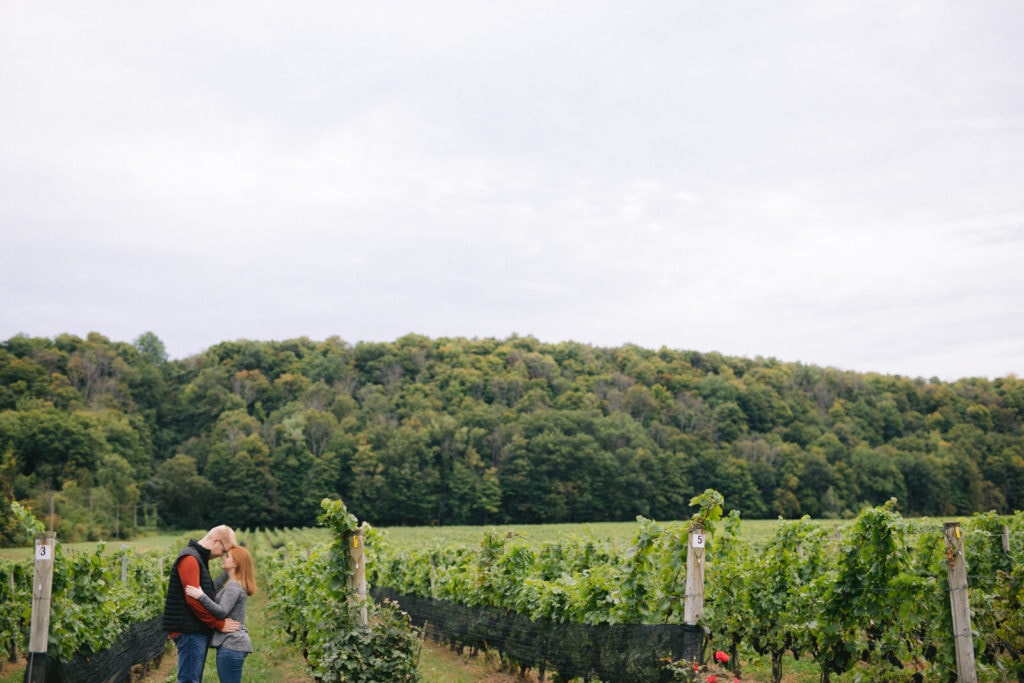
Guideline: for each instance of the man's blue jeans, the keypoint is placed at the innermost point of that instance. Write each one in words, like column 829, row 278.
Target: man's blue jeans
column 191, row 656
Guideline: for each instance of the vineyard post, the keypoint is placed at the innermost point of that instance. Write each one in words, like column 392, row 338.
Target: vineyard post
column 693, row 609
column 959, row 605
column 39, row 634
column 358, row 577
column 13, row 650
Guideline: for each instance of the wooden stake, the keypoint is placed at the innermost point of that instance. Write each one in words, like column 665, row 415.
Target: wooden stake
column 13, row 650
column 357, row 581
column 693, row 610
column 959, row 604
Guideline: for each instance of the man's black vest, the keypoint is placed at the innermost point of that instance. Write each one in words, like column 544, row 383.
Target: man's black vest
column 178, row 616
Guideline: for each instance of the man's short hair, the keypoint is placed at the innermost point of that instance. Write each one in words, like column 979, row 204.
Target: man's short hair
column 225, row 535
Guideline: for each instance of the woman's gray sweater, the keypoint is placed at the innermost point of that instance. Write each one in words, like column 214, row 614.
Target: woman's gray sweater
column 230, row 603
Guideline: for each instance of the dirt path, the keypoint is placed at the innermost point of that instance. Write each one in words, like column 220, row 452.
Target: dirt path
column 438, row 664
column 274, row 661
column 277, row 661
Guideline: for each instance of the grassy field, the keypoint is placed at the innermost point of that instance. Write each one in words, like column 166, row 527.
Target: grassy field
column 171, row 542
column 144, row 543
column 615, row 533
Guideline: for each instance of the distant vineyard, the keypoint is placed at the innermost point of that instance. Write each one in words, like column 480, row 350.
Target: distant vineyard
column 268, row 540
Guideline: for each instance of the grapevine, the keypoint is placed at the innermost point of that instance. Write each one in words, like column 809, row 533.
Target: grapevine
column 871, row 598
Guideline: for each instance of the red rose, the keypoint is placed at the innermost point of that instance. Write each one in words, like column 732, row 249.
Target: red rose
column 721, row 657
column 712, row 679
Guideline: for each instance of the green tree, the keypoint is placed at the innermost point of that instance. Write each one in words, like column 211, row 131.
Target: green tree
column 117, row 476
column 49, row 445
column 247, row 494
column 878, row 478
column 369, row 486
column 730, row 422
column 151, row 348
column 184, row 497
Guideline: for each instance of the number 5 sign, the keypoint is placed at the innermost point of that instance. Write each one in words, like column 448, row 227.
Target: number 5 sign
column 698, row 539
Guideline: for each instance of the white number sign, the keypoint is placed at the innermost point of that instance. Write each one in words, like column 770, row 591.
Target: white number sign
column 43, row 552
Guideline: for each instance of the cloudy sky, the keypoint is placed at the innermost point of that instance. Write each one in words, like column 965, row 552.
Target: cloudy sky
column 839, row 183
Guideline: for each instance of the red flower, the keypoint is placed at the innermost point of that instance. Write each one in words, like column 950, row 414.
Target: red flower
column 721, row 657
column 712, row 679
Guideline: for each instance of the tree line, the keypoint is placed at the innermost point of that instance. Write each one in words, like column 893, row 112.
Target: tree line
column 101, row 437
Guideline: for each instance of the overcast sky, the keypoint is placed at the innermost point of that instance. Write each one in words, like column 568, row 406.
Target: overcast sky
column 836, row 183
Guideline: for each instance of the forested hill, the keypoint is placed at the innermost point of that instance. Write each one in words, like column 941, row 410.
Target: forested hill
column 483, row 431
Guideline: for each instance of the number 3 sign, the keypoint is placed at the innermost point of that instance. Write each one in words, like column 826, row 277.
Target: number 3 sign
column 43, row 551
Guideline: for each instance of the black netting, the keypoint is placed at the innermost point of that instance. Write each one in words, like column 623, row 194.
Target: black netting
column 627, row 653
column 140, row 643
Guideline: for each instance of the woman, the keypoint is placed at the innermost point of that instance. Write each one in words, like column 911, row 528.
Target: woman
column 239, row 582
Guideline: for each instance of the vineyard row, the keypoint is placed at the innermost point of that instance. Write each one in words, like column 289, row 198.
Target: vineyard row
column 872, row 595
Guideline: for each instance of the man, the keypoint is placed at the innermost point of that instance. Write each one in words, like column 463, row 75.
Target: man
column 185, row 619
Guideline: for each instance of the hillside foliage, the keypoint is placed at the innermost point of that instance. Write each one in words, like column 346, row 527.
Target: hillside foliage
column 420, row 431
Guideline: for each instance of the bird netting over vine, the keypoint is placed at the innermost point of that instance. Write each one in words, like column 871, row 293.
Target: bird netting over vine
column 636, row 653
column 140, row 643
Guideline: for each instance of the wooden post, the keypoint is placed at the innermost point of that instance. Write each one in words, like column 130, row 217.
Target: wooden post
column 39, row 634
column 959, row 604
column 357, row 581
column 693, row 610
column 13, row 651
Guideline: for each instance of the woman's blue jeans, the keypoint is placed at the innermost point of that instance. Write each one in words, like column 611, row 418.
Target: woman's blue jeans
column 229, row 665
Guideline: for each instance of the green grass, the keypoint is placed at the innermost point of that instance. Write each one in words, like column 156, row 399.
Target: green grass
column 172, row 542
column 146, row 543
column 274, row 659
column 439, row 664
column 615, row 533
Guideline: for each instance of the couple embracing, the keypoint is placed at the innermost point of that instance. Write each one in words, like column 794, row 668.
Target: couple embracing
column 202, row 612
